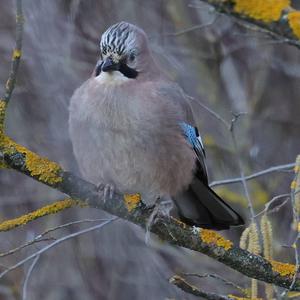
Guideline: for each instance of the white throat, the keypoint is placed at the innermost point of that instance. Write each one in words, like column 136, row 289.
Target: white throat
column 113, row 78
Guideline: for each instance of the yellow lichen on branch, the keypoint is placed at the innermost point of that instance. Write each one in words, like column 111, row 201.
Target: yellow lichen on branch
column 3, row 165
column 41, row 212
column 3, row 105
column 262, row 10
column 178, row 222
column 242, row 298
column 295, row 191
column 213, row 238
column 132, row 201
column 43, row 169
column 293, row 295
column 283, row 269
column 294, row 22
column 17, row 53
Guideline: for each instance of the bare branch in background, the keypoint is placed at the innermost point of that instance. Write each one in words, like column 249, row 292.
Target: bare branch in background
column 279, row 168
column 40, row 237
column 193, row 28
column 272, row 201
column 16, row 56
column 240, row 163
column 215, row 276
column 58, row 241
column 190, row 289
column 212, row 112
column 27, row 277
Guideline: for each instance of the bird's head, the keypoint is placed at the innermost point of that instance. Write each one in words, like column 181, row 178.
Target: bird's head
column 124, row 48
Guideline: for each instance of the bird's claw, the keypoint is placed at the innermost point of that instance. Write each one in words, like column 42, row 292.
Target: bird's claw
column 150, row 222
column 108, row 190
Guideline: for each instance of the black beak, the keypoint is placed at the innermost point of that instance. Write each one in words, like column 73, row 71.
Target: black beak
column 98, row 68
column 109, row 65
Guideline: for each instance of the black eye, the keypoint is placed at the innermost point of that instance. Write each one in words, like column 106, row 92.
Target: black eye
column 131, row 57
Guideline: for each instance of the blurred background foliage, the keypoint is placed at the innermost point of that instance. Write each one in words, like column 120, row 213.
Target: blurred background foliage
column 222, row 64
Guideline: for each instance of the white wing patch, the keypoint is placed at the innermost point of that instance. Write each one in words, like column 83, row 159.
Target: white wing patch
column 201, row 143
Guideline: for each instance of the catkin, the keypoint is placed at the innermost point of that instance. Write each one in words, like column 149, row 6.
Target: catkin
column 250, row 240
column 295, row 190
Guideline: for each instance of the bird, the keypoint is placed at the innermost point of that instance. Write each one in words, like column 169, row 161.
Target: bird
column 133, row 130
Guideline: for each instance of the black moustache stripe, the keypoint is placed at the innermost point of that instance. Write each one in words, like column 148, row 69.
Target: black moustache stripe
column 128, row 72
column 123, row 68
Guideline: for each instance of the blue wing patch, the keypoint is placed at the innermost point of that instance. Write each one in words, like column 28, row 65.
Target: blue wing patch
column 193, row 137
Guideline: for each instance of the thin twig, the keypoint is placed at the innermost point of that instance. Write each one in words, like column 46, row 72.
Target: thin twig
column 39, row 238
column 190, row 289
column 58, row 241
column 274, row 199
column 296, row 240
column 212, row 112
column 240, row 164
column 215, row 276
column 10, row 84
column 29, row 272
column 279, row 168
column 193, row 28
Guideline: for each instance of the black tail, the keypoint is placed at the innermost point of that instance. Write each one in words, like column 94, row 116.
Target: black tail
column 199, row 205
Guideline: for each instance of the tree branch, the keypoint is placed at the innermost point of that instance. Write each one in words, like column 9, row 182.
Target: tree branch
column 217, row 277
column 276, row 17
column 46, row 210
column 132, row 209
column 16, row 56
column 190, row 289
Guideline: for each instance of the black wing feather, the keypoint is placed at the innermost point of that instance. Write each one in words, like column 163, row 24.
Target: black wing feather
column 199, row 205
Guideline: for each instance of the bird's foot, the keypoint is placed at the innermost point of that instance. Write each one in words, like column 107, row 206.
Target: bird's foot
column 107, row 189
column 162, row 206
column 150, row 222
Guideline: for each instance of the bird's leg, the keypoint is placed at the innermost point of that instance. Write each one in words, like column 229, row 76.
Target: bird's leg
column 108, row 190
column 161, row 205
column 150, row 222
